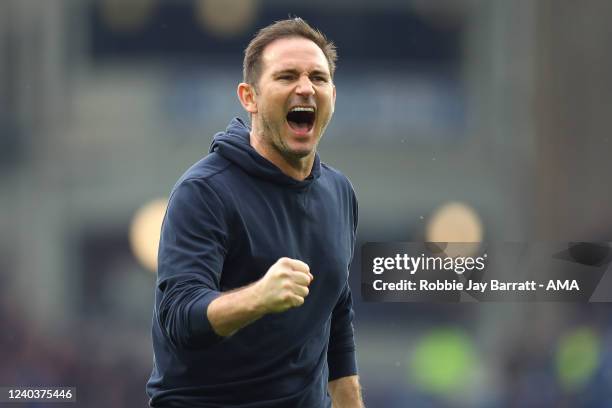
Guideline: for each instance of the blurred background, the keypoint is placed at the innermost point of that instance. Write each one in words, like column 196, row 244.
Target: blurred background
column 474, row 119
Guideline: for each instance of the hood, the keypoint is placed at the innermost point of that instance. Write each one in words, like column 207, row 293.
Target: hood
column 234, row 145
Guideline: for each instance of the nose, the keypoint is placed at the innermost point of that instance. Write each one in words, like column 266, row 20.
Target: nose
column 304, row 86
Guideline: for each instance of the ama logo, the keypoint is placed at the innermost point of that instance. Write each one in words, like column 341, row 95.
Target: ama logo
column 562, row 285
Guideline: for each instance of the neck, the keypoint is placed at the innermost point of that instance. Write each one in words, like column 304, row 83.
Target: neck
column 297, row 168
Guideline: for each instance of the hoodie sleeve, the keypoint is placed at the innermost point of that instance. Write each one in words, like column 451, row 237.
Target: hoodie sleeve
column 341, row 356
column 192, row 249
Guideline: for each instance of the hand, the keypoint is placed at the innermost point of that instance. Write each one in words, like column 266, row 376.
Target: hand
column 284, row 286
column 346, row 392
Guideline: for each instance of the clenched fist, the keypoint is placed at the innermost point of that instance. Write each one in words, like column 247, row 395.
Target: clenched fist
column 285, row 285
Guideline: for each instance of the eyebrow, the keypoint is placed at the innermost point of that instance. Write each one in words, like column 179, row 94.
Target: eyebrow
column 296, row 72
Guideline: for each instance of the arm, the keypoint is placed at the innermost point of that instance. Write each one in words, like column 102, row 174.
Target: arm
column 343, row 384
column 193, row 245
column 285, row 285
column 341, row 358
column 190, row 308
column 346, row 392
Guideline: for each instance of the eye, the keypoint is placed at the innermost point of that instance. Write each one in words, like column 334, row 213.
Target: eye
column 319, row 78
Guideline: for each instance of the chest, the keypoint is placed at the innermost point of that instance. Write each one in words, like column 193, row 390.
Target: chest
column 313, row 225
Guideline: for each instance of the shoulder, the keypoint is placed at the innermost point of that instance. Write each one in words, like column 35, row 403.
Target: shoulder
column 335, row 177
column 211, row 166
column 344, row 191
column 204, row 184
column 209, row 173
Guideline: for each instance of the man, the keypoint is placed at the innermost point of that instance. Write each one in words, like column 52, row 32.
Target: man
column 253, row 307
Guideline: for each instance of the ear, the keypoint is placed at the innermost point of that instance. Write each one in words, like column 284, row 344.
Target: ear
column 248, row 97
column 333, row 98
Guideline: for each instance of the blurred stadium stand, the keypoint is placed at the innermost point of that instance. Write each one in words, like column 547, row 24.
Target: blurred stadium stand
column 503, row 106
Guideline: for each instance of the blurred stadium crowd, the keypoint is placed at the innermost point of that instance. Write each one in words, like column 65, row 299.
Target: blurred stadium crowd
column 487, row 119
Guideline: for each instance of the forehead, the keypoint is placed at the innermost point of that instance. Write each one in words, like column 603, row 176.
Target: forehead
column 293, row 53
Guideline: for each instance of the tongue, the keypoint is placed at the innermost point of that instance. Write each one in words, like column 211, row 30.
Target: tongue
column 299, row 126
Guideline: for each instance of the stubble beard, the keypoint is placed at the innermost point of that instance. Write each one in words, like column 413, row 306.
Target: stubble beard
column 273, row 138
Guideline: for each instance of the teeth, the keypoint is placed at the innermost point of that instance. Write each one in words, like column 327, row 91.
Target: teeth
column 302, row 109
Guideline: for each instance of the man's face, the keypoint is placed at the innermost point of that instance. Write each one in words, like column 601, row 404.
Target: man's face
column 295, row 97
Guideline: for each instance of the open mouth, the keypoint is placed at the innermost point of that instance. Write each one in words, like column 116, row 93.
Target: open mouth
column 301, row 119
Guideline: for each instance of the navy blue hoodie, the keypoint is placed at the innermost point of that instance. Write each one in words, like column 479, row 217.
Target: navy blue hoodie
column 230, row 217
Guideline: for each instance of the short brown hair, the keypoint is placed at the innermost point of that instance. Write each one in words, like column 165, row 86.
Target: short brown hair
column 293, row 27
